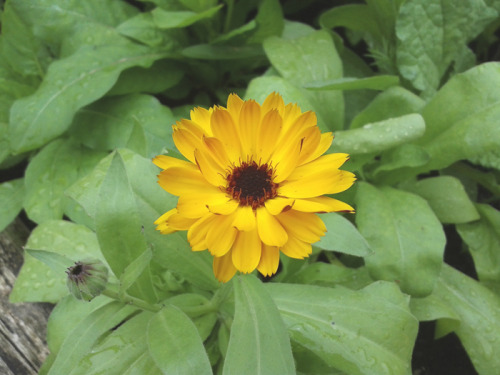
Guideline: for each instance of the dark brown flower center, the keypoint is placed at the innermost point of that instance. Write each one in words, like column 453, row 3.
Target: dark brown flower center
column 251, row 184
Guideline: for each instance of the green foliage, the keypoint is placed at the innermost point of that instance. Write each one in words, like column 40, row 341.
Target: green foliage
column 88, row 93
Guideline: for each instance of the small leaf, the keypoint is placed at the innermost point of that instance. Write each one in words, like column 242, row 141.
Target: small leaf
column 222, row 52
column 175, row 19
column 134, row 270
column 342, row 236
column 407, row 238
column 483, row 239
column 175, row 345
column 58, row 263
column 259, row 342
column 381, row 82
column 447, row 198
column 11, row 201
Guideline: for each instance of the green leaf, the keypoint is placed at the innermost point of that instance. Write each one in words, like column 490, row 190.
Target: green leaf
column 405, row 155
column 36, row 282
column 428, row 41
column 478, row 311
column 447, row 198
column 50, row 173
column 66, row 315
column 483, row 239
column 356, row 332
column 58, row 263
column 406, row 236
column 109, row 124
column 380, row 136
column 162, row 75
column 70, row 84
column 82, row 338
column 222, row 52
column 381, row 82
column 129, row 340
column 259, row 342
column 134, row 270
column 393, row 102
column 11, row 201
column 269, row 21
column 306, row 59
column 341, row 235
column 176, row 19
column 357, row 17
column 143, row 28
column 118, row 226
column 175, row 345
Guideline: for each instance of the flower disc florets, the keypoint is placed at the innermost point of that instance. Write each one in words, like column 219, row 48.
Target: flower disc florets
column 254, row 180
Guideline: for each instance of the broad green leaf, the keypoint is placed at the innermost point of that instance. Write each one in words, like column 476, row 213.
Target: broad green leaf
column 143, row 28
column 129, row 340
column 447, row 198
column 222, row 52
column 424, row 53
column 175, row 345
column 162, row 75
column 269, row 21
column 134, row 270
column 306, row 59
column 55, row 20
column 36, row 282
column 175, row 19
column 324, row 274
column 406, row 237
column 483, row 239
column 393, row 102
column 70, row 84
column 342, row 236
column 380, row 136
column 357, row 17
column 66, row 315
column 381, row 82
column 85, row 334
column 478, row 311
column 118, row 226
column 259, row 343
column 109, row 124
column 370, row 331
column 58, row 263
column 11, row 201
column 50, row 173
column 405, row 155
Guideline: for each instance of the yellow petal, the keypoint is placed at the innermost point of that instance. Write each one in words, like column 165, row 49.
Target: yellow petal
column 225, row 208
column 180, row 222
column 269, row 260
column 320, row 165
column 268, row 132
column 209, row 168
column 216, row 149
column 324, row 144
column 305, row 226
column 221, row 235
column 321, row 205
column 316, row 184
column 201, row 117
column 234, row 104
column 198, row 232
column 249, row 124
column 273, row 101
column 162, row 222
column 309, row 143
column 224, row 129
column 224, row 269
column 178, row 181
column 277, row 205
column 244, row 218
column 285, row 160
column 165, row 162
column 296, row 129
column 186, row 142
column 295, row 248
column 163, row 218
column 271, row 232
column 246, row 251
column 195, row 205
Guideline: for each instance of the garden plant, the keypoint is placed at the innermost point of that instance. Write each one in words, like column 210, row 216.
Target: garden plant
column 255, row 187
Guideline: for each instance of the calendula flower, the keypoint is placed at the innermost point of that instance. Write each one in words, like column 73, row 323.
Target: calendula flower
column 253, row 183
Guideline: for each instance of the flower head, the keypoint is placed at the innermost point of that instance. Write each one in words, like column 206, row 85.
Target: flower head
column 87, row 279
column 253, row 183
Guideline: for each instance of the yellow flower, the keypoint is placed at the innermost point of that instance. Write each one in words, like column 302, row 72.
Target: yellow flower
column 253, row 183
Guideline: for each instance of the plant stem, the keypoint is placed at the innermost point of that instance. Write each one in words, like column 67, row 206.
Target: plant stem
column 111, row 292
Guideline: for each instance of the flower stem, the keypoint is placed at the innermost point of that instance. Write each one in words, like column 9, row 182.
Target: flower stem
column 111, row 292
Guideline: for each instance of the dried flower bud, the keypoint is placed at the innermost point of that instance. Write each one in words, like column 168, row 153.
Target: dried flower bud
column 87, row 279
